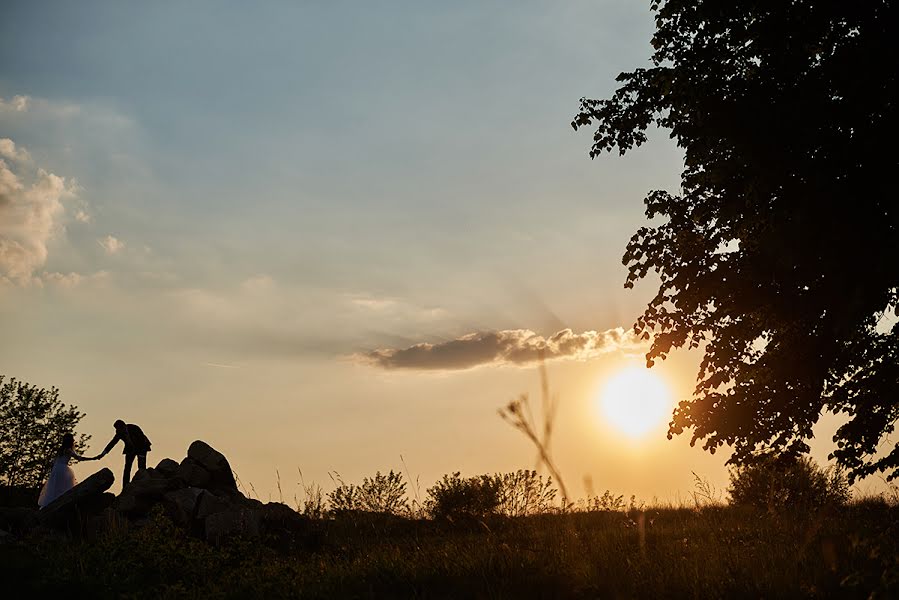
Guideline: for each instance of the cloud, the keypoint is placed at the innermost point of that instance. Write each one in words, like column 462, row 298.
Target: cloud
column 31, row 214
column 73, row 280
column 111, row 245
column 15, row 104
column 9, row 151
column 508, row 347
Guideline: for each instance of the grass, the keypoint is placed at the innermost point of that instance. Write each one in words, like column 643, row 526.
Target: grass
column 656, row 553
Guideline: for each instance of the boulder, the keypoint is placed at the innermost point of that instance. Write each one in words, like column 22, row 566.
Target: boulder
column 143, row 474
column 181, row 505
column 193, row 474
column 134, row 506
column 243, row 523
column 84, row 499
column 278, row 513
column 167, row 467
column 139, row 496
column 279, row 518
column 152, row 487
column 215, row 462
column 211, row 504
column 253, row 503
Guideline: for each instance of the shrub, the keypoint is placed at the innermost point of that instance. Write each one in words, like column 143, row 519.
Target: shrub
column 776, row 482
column 454, row 497
column 524, row 493
column 384, row 493
column 608, row 502
column 381, row 494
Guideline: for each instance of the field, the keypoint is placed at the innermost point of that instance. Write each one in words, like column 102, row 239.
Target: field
column 709, row 552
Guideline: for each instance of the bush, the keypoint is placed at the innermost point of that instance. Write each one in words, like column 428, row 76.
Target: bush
column 524, row 493
column 453, row 497
column 608, row 502
column 380, row 494
column 776, row 482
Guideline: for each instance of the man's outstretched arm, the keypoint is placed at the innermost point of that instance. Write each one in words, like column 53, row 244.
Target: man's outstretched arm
column 109, row 446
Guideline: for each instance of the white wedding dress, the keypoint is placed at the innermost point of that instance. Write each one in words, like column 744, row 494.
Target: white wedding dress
column 61, row 480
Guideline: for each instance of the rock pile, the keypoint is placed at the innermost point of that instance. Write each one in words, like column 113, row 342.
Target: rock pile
column 199, row 494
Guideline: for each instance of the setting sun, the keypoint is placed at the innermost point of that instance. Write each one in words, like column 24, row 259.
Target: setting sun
column 634, row 401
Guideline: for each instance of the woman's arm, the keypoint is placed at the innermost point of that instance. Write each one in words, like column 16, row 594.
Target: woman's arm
column 77, row 456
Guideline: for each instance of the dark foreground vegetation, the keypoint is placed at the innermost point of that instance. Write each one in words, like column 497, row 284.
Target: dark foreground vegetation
column 654, row 553
column 186, row 531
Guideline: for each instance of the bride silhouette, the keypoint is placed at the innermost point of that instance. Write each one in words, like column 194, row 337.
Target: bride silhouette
column 62, row 477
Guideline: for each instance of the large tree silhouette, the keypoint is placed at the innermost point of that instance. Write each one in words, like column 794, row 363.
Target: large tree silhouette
column 780, row 254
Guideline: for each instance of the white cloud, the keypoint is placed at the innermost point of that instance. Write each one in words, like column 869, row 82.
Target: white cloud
column 111, row 244
column 82, row 216
column 15, row 104
column 71, row 280
column 31, row 214
column 9, row 151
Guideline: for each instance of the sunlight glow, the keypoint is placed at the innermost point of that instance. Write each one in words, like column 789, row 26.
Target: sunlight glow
column 635, row 401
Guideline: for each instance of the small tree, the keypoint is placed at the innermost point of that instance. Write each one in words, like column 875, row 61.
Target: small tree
column 384, row 494
column 379, row 494
column 32, row 423
column 344, row 498
column 524, row 493
column 775, row 482
column 453, row 497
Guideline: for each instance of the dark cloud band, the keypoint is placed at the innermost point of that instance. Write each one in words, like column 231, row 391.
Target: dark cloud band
column 511, row 346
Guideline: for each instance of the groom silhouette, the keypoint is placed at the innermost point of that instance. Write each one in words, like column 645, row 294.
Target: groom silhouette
column 136, row 444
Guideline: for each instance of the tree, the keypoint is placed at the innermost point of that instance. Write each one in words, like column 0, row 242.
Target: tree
column 787, row 482
column 32, row 423
column 777, row 256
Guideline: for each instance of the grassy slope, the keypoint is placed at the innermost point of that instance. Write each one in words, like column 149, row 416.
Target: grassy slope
column 718, row 552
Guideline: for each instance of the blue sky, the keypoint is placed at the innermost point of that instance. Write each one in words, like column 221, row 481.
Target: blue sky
column 239, row 204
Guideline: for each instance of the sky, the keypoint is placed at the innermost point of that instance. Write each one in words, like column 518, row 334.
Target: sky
column 328, row 237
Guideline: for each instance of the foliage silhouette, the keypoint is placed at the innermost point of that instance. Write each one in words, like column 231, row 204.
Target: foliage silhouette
column 792, row 482
column 608, row 502
column 379, row 494
column 32, row 423
column 525, row 493
column 776, row 255
column 453, row 497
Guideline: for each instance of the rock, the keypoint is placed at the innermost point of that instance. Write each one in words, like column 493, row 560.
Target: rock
column 181, row 505
column 276, row 512
column 193, row 474
column 281, row 519
column 133, row 506
column 149, row 486
column 84, row 499
column 211, row 504
column 167, row 467
column 142, row 474
column 244, row 523
column 140, row 496
column 17, row 519
column 253, row 503
column 215, row 462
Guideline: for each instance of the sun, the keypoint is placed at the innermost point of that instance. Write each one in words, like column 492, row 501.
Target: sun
column 635, row 401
